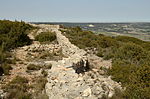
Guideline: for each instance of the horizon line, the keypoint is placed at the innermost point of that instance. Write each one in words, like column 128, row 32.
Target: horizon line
column 78, row 21
column 87, row 22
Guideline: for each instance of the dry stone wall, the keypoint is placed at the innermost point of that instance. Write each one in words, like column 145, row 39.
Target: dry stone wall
column 47, row 27
column 68, row 48
column 64, row 83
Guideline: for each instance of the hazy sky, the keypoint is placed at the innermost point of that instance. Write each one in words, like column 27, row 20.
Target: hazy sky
column 76, row 10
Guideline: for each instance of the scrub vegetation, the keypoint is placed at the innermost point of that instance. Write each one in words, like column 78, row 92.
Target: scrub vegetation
column 12, row 35
column 130, row 59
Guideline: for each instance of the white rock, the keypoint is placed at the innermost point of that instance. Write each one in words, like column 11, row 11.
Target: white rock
column 80, row 78
column 78, row 98
column 70, row 84
column 87, row 92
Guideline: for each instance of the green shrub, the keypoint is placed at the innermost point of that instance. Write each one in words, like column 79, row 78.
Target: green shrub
column 133, row 53
column 129, row 39
column 19, row 80
column 49, row 66
column 17, row 94
column 17, row 88
column 42, row 96
column 12, row 35
column 130, row 57
column 85, row 39
column 33, row 67
column 10, row 61
column 40, row 84
column 121, row 71
column 6, row 68
column 1, row 71
column 44, row 73
column 46, row 54
column 100, row 52
column 118, row 94
column 105, row 42
column 46, row 36
column 2, row 56
column 109, row 53
column 135, row 78
column 139, row 85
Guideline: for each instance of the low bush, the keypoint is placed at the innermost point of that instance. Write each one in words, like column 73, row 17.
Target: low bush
column 133, row 54
column 135, row 79
column 106, row 42
column 12, row 35
column 17, row 88
column 46, row 36
column 130, row 60
column 40, row 84
column 49, row 66
column 33, row 67
column 6, row 68
column 100, row 52
column 44, row 73
column 46, row 54
column 17, row 94
column 118, row 94
column 129, row 39
column 19, row 80
column 1, row 71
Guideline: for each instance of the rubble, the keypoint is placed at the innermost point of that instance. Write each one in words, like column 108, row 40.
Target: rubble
column 64, row 80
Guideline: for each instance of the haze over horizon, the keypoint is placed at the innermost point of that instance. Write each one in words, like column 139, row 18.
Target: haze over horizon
column 76, row 10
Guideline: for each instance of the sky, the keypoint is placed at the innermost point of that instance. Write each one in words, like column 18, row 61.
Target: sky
column 76, row 10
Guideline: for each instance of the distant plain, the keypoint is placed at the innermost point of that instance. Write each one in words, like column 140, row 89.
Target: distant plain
column 139, row 30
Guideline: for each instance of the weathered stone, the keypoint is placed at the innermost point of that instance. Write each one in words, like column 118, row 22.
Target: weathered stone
column 87, row 92
column 63, row 80
column 78, row 98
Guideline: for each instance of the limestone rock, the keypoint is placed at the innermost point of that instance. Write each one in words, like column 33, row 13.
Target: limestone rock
column 63, row 80
column 87, row 92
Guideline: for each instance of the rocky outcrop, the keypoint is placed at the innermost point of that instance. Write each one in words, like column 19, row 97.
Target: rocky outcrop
column 70, row 78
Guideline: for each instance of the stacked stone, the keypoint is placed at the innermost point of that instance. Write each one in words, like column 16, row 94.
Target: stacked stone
column 42, row 47
column 65, row 83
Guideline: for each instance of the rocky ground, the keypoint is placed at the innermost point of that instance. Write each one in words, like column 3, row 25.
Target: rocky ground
column 74, row 75
column 67, row 83
column 27, row 55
